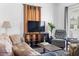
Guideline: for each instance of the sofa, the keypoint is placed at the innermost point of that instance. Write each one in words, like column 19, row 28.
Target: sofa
column 15, row 45
column 21, row 48
column 5, row 46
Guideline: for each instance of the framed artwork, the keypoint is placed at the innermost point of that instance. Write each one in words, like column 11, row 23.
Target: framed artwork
column 73, row 17
column 72, row 21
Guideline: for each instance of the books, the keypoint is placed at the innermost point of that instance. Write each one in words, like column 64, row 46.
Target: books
column 44, row 43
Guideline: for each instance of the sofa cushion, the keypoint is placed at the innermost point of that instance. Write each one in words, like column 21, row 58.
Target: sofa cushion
column 16, row 39
column 24, row 49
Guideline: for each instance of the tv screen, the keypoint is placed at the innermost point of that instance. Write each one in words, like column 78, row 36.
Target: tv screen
column 36, row 26
column 42, row 26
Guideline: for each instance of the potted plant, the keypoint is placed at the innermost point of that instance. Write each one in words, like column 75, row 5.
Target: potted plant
column 51, row 27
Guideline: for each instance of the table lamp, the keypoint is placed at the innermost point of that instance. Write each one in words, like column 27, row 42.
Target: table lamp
column 6, row 25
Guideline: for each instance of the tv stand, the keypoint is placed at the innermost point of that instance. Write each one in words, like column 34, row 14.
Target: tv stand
column 32, row 13
column 35, row 38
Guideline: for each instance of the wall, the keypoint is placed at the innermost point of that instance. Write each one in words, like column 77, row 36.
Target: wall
column 14, row 14
column 47, row 14
column 59, row 9
column 53, row 12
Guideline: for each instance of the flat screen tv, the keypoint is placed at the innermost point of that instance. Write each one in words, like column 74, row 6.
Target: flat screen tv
column 36, row 26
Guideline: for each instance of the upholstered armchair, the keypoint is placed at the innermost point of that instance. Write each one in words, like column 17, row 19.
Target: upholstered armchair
column 73, row 49
column 60, row 36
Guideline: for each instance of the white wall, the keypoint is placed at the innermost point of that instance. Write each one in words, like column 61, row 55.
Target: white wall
column 47, row 14
column 14, row 14
column 53, row 12
column 59, row 9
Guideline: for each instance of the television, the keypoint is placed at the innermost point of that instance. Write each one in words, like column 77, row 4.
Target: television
column 36, row 26
column 42, row 26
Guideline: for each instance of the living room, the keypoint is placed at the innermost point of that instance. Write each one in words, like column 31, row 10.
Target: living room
column 39, row 29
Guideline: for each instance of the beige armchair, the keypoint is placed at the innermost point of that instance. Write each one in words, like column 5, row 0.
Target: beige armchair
column 21, row 48
column 74, row 49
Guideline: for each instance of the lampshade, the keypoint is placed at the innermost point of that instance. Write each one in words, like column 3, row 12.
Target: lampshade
column 6, row 24
column 75, row 26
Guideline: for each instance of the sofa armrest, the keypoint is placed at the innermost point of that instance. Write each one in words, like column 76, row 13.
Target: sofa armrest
column 3, row 51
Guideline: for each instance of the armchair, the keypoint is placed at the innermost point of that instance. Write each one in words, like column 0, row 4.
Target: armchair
column 60, row 36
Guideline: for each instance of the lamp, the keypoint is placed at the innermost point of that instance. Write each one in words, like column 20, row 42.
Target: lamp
column 6, row 25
